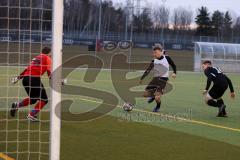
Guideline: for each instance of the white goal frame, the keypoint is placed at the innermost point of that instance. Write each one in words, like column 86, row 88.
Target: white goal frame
column 57, row 39
column 223, row 55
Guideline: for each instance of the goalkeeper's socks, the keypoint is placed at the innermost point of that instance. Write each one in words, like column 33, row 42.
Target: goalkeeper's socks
column 157, row 108
column 24, row 102
column 212, row 103
column 38, row 108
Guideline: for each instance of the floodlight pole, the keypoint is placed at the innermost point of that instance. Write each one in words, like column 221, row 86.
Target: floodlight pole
column 98, row 37
column 100, row 19
column 55, row 121
column 126, row 22
column 163, row 1
column 131, row 33
column 132, row 13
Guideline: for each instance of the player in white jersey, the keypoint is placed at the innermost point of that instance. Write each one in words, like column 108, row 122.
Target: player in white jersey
column 160, row 65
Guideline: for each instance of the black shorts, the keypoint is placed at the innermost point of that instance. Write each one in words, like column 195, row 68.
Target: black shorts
column 217, row 91
column 157, row 84
column 34, row 88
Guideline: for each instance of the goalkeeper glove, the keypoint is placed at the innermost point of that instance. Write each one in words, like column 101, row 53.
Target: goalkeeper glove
column 14, row 80
column 64, row 81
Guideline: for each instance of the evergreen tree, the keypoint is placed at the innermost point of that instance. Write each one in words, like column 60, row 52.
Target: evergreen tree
column 203, row 22
column 142, row 23
column 227, row 26
column 236, row 27
column 217, row 23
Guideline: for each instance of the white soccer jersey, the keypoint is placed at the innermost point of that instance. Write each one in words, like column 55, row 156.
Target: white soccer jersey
column 161, row 67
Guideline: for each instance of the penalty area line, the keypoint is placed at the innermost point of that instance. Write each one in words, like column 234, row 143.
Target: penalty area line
column 5, row 157
column 178, row 118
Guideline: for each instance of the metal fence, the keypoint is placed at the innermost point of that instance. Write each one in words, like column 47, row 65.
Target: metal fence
column 140, row 39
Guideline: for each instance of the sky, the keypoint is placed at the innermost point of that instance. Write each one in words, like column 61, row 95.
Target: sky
column 222, row 5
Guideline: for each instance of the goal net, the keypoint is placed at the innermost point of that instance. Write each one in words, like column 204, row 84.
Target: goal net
column 25, row 28
column 224, row 55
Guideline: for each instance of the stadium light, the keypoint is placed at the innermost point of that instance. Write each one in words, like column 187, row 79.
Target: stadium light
column 163, row 1
column 99, row 19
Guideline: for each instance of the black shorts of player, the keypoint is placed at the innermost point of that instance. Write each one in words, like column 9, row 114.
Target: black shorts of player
column 217, row 91
column 157, row 84
column 35, row 89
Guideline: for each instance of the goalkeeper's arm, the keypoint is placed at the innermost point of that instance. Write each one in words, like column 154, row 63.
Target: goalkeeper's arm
column 22, row 74
column 17, row 78
column 49, row 74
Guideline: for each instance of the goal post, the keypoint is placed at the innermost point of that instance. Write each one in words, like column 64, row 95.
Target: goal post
column 224, row 55
column 26, row 27
column 57, row 36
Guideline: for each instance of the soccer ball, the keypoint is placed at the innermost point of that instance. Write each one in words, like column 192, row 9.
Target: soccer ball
column 128, row 107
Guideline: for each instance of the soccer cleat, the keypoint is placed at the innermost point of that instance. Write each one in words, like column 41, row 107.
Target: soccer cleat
column 225, row 113
column 222, row 111
column 156, row 109
column 32, row 118
column 150, row 99
column 221, row 108
column 222, row 114
column 13, row 109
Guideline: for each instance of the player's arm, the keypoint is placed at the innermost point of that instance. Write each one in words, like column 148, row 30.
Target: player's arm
column 49, row 66
column 49, row 74
column 230, row 86
column 209, row 80
column 17, row 78
column 148, row 70
column 22, row 74
column 172, row 64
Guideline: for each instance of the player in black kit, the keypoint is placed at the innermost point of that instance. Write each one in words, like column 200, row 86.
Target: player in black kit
column 221, row 82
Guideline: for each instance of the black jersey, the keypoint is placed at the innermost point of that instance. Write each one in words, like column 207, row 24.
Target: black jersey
column 216, row 76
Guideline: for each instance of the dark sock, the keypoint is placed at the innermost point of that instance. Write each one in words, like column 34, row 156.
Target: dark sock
column 220, row 102
column 158, row 105
column 212, row 103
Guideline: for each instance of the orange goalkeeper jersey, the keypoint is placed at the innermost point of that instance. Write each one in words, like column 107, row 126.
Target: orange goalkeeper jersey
column 38, row 66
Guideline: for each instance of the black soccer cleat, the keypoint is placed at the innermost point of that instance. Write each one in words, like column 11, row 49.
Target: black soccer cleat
column 156, row 109
column 222, row 111
column 13, row 109
column 225, row 113
column 221, row 108
column 222, row 115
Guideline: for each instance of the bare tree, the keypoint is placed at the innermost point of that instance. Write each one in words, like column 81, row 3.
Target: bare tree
column 236, row 27
column 161, row 17
column 182, row 18
column 237, row 23
column 176, row 19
